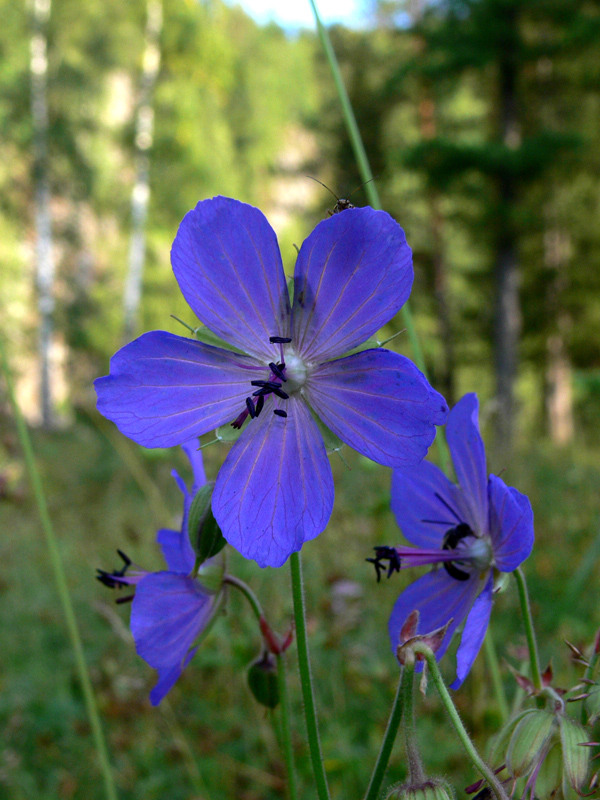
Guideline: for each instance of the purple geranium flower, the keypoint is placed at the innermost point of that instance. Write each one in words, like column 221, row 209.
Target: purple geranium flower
column 353, row 273
column 170, row 608
column 472, row 530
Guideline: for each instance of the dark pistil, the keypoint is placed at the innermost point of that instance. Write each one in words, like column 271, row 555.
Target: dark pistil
column 383, row 554
column 279, row 340
column 250, row 407
column 280, row 412
column 277, row 369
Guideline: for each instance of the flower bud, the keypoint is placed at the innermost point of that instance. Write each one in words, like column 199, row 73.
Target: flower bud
column 205, row 535
column 575, row 755
column 431, row 789
column 529, row 741
column 262, row 680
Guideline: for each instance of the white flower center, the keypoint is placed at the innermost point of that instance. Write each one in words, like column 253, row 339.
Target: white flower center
column 296, row 372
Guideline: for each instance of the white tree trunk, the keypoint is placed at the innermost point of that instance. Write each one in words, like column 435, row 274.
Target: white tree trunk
column 44, row 270
column 141, row 191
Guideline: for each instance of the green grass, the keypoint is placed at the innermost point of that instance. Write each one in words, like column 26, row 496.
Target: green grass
column 211, row 740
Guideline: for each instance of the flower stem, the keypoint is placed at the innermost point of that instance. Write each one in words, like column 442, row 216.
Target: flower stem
column 288, row 752
column 493, row 782
column 492, row 662
column 534, row 659
column 61, row 585
column 247, row 592
column 415, row 767
column 373, row 195
column 310, row 713
column 387, row 743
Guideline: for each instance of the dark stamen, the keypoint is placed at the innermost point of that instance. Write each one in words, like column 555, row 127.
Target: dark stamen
column 437, row 522
column 259, row 404
column 279, row 340
column 280, row 412
column 262, row 392
column 250, row 407
column 276, row 369
column 109, row 580
column 450, row 542
column 280, row 393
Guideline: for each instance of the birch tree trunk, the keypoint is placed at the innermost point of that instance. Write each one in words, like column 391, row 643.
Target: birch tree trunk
column 140, row 196
column 44, row 268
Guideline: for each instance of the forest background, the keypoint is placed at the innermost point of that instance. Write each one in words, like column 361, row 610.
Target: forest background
column 481, row 120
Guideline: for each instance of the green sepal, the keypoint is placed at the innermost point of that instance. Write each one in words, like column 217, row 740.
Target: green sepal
column 575, row 756
column 227, row 433
column 529, row 740
column 206, row 336
column 204, row 533
column 262, row 680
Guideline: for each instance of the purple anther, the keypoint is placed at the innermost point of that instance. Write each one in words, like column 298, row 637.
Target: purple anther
column 280, row 393
column 280, row 412
column 277, row 370
column 258, row 383
column 250, row 407
column 259, row 404
column 279, row 340
column 261, row 392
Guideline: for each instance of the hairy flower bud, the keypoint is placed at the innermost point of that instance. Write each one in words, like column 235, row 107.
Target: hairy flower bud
column 529, row 740
column 431, row 789
column 262, row 680
column 205, row 535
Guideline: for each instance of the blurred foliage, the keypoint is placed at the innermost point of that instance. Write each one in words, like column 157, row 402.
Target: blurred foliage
column 248, row 111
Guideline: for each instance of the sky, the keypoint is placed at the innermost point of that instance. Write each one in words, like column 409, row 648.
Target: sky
column 291, row 14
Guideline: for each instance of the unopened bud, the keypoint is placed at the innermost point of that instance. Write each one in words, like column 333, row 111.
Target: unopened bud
column 575, row 755
column 205, row 535
column 529, row 741
column 262, row 680
column 431, row 789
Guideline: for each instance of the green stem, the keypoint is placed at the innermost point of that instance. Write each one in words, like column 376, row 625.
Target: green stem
column 534, row 659
column 387, row 743
column 247, row 592
column 288, row 752
column 310, row 713
column 61, row 585
column 415, row 766
column 373, row 195
column 493, row 782
column 494, row 667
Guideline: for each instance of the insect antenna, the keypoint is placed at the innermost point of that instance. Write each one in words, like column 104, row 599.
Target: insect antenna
column 325, row 187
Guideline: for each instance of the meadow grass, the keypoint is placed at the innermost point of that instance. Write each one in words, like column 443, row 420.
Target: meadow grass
column 210, row 739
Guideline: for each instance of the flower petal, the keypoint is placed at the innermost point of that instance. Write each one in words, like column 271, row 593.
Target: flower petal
column 468, row 457
column 164, row 389
column 168, row 612
column 177, row 550
column 439, row 598
column 275, row 490
column 353, row 273
column 474, row 633
column 227, row 262
column 511, row 525
column 379, row 403
column 169, row 677
column 425, row 503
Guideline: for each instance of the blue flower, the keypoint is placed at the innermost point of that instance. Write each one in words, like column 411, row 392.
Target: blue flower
column 473, row 530
column 353, row 273
column 170, row 608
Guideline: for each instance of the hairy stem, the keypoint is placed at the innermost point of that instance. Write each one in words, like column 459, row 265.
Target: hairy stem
column 288, row 752
column 534, row 659
column 488, row 773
